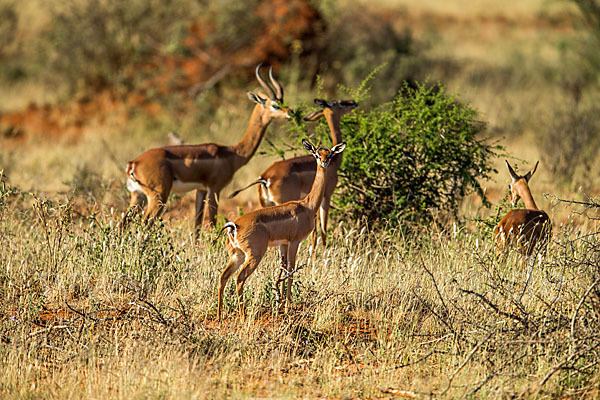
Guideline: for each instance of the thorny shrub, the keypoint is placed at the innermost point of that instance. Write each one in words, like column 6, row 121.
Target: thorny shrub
column 410, row 159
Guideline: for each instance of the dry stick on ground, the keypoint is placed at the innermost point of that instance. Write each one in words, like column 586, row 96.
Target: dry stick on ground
column 585, row 295
column 431, row 310
column 425, row 357
column 516, row 317
column 84, row 315
column 496, row 372
column 465, row 361
column 530, row 272
column 559, row 366
column 443, row 320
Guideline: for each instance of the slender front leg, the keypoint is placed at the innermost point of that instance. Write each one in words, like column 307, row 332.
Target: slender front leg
column 324, row 213
column 212, row 204
column 312, row 251
column 292, row 250
column 280, row 283
column 235, row 261
column 247, row 270
column 200, row 196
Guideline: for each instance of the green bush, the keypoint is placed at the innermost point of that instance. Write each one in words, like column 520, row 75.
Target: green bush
column 411, row 159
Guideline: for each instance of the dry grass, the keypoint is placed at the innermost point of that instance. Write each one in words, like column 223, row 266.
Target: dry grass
column 91, row 312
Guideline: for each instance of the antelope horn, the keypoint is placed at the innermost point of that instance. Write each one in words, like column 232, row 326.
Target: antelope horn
column 264, row 85
column 512, row 172
column 530, row 173
column 276, row 85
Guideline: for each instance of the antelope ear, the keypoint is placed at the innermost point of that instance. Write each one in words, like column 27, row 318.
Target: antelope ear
column 348, row 103
column 512, row 172
column 321, row 103
column 530, row 173
column 256, row 98
column 309, row 146
column 314, row 116
column 338, row 148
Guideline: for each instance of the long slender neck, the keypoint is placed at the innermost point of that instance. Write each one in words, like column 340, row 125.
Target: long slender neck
column 525, row 194
column 313, row 199
column 246, row 147
column 333, row 120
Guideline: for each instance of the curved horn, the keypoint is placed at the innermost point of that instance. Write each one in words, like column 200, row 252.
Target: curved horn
column 264, row 85
column 512, row 172
column 530, row 173
column 276, row 85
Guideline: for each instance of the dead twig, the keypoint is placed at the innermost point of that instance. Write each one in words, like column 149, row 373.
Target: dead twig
column 585, row 295
column 437, row 290
column 84, row 315
column 465, row 361
column 516, row 317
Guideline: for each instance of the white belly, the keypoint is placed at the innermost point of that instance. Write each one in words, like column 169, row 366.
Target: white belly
column 183, row 187
column 277, row 242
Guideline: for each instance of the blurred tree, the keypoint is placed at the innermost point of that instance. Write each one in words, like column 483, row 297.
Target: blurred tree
column 90, row 42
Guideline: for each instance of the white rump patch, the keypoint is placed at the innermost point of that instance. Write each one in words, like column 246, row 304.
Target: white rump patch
column 266, row 193
column 184, row 187
column 133, row 186
column 270, row 196
column 232, row 235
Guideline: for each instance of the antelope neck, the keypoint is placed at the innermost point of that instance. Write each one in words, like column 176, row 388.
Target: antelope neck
column 314, row 198
column 333, row 121
column 247, row 146
column 525, row 194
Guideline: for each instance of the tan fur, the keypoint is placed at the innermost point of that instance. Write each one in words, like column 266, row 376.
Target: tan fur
column 208, row 168
column 525, row 228
column 285, row 225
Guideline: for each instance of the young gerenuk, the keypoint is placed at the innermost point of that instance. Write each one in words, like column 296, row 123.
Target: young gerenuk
column 285, row 225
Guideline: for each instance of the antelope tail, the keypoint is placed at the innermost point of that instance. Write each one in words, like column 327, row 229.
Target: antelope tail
column 229, row 225
column 129, row 172
column 256, row 182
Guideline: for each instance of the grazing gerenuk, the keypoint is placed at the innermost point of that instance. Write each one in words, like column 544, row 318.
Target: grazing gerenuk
column 285, row 225
column 292, row 179
column 206, row 168
column 527, row 228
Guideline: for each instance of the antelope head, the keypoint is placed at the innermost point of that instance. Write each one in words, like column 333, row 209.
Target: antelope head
column 272, row 102
column 519, row 183
column 323, row 155
column 340, row 107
